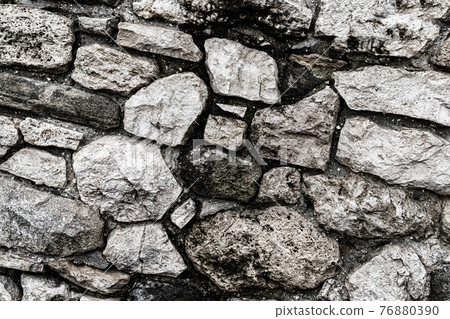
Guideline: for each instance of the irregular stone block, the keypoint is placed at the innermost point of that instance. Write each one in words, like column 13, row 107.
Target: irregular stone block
column 145, row 249
column 165, row 110
column 41, row 133
column 168, row 42
column 61, row 101
column 35, row 39
column 94, row 259
column 126, row 178
column 281, row 184
column 396, row 28
column 26, row 263
column 268, row 248
column 214, row 206
column 45, row 288
column 9, row 290
column 43, row 223
column 425, row 95
column 225, row 132
column 38, row 166
column 298, row 134
column 234, row 109
column 236, row 70
column 184, row 213
column 9, row 134
column 403, row 156
column 98, row 67
column 100, row 26
column 103, row 282
column 360, row 207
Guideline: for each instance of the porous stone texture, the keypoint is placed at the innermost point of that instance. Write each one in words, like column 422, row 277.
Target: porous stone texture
column 24, row 262
column 43, row 223
column 35, row 39
column 101, row 26
column 403, row 156
column 9, row 135
column 183, row 214
column 213, row 173
column 41, row 133
column 281, row 184
column 62, row 101
column 274, row 247
column 45, row 288
column 360, row 207
column 38, row 166
column 236, row 70
column 371, row 89
column 166, row 110
column 239, row 111
column 153, row 39
column 103, row 282
column 300, row 133
column 9, row 291
column 126, row 178
column 394, row 28
column 225, row 132
column 144, row 249
column 99, row 67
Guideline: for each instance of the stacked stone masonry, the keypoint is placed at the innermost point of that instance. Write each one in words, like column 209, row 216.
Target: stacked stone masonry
column 224, row 150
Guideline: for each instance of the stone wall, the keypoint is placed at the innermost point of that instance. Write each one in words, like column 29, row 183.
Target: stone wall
column 224, row 150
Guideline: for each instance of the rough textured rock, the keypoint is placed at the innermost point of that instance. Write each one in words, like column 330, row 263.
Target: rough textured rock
column 153, row 39
column 440, row 284
column 45, row 288
column 9, row 135
column 371, row 89
column 236, row 70
column 395, row 28
column 214, row 206
column 239, row 111
column 16, row 261
column 35, row 39
column 9, row 291
column 151, row 290
column 43, row 223
column 101, row 26
column 127, row 178
column 104, row 282
column 225, row 132
column 333, row 290
column 446, row 220
column 404, row 156
column 360, row 207
column 298, row 134
column 274, row 247
column 281, row 184
column 213, row 173
column 93, row 258
column 145, row 249
column 41, row 133
column 184, row 213
column 99, row 67
column 59, row 100
column 165, row 110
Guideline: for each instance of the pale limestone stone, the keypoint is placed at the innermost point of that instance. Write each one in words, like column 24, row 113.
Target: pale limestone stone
column 225, row 132
column 183, row 214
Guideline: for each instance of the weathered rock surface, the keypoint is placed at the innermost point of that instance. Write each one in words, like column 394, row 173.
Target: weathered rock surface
column 43, row 223
column 153, row 39
column 93, row 258
column 298, row 134
column 45, row 288
column 9, row 291
column 281, row 184
column 216, row 174
column 371, row 89
column 395, row 28
column 9, row 135
column 151, row 290
column 440, row 284
column 99, row 67
column 214, row 206
column 274, row 247
column 239, row 111
column 165, row 110
column 145, row 249
column 38, row 166
column 101, row 26
column 446, row 220
column 127, row 178
column 59, row 100
column 41, row 133
column 225, row 132
column 236, row 70
column 21, row 262
column 104, row 282
column 360, row 207
column 183, row 214
column 403, row 156
column 35, row 39
column 333, row 290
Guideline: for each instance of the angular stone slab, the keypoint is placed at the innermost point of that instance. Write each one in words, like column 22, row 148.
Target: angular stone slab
column 298, row 134
column 236, row 70
column 359, row 207
column 62, row 101
column 16, row 261
column 99, row 67
column 42, row 223
column 403, row 156
column 269, row 248
column 168, row 42
column 239, row 111
column 100, row 26
column 35, row 39
column 184, row 213
column 422, row 94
